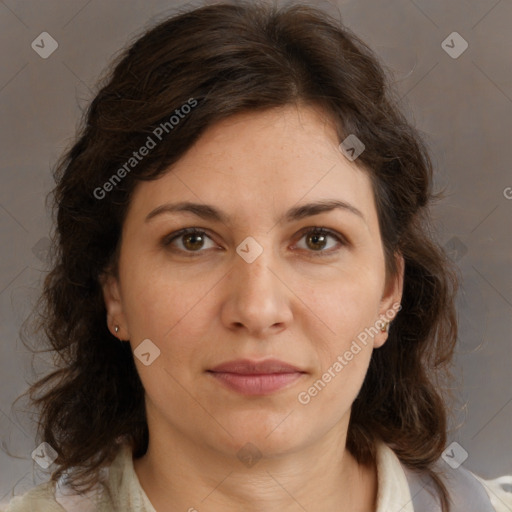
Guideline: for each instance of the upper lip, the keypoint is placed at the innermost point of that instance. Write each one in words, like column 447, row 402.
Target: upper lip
column 250, row 367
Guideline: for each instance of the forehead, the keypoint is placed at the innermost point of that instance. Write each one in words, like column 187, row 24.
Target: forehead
column 262, row 161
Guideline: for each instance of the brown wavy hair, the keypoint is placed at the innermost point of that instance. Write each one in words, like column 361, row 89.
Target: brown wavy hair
column 239, row 57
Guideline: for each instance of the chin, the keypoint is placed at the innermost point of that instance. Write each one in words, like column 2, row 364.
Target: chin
column 267, row 432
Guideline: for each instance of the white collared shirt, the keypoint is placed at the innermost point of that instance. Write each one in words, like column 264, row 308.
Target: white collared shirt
column 121, row 490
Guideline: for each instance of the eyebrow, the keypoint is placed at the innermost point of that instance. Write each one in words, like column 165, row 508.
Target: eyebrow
column 209, row 212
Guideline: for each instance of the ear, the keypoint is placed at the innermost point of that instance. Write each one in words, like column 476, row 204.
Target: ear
column 390, row 301
column 114, row 306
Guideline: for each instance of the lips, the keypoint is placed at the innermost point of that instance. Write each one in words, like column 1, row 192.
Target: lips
column 249, row 377
column 248, row 367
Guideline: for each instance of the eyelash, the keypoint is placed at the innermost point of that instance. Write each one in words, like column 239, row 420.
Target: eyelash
column 167, row 240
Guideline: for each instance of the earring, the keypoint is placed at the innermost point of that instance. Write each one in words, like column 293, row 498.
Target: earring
column 385, row 327
column 116, row 328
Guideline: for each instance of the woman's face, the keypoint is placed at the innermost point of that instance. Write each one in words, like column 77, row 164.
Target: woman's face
column 255, row 284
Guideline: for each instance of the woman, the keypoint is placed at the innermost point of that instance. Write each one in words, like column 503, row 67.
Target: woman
column 249, row 311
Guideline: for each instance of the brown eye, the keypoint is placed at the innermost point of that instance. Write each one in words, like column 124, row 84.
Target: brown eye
column 187, row 240
column 317, row 239
column 193, row 241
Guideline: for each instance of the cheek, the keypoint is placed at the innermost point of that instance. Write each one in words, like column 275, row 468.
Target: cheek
column 330, row 393
column 155, row 298
column 340, row 334
column 342, row 360
column 174, row 313
column 345, row 304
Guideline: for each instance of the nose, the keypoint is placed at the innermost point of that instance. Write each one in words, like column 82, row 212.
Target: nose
column 257, row 298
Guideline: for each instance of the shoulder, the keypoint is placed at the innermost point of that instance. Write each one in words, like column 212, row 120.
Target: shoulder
column 467, row 490
column 40, row 498
column 415, row 491
column 499, row 491
column 115, row 482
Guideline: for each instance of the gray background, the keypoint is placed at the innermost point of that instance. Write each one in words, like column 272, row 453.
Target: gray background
column 463, row 106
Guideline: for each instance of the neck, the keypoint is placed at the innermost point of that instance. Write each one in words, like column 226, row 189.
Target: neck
column 183, row 475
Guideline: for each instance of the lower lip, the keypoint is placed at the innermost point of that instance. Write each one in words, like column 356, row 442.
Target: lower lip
column 256, row 384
